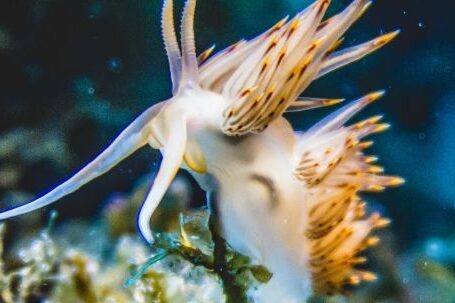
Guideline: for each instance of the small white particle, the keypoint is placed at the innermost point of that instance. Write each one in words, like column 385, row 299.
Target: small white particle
column 114, row 64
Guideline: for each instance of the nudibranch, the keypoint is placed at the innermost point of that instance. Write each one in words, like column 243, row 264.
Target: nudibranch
column 289, row 200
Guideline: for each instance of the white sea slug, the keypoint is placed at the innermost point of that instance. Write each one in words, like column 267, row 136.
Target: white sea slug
column 289, row 200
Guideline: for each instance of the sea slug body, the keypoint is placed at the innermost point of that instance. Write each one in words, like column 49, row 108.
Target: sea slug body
column 289, row 200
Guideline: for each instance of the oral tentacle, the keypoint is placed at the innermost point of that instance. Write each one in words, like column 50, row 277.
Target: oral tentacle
column 131, row 139
column 173, row 152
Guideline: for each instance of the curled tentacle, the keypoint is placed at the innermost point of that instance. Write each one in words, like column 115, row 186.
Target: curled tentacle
column 173, row 152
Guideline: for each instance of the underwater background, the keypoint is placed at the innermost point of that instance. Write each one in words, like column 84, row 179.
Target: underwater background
column 74, row 73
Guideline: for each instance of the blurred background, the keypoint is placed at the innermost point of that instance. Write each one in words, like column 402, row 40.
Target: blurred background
column 74, row 73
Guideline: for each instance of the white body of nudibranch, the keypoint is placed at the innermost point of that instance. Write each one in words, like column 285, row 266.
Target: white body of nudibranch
column 288, row 200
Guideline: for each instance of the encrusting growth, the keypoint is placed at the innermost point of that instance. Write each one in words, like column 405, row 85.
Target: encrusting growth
column 288, row 200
